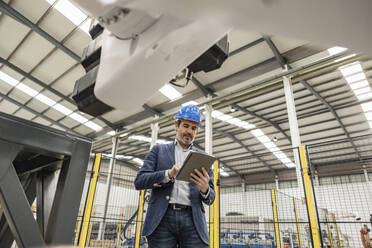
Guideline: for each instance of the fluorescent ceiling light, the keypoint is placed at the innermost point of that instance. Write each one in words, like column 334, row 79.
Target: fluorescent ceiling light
column 351, row 69
column 62, row 109
column 190, row 103
column 8, row 79
column 161, row 141
column 216, row 113
column 123, row 135
column 29, row 91
column 75, row 15
column 242, row 124
column 140, row 138
column 346, row 57
column 365, row 96
column 270, row 145
column 336, row 50
column 111, row 133
column 170, row 92
column 291, row 165
column 368, row 116
column 358, row 85
column 370, row 124
column 93, row 125
column 355, row 78
column 257, row 132
column 223, row 173
column 138, row 161
column 46, row 100
column 224, row 117
column 78, row 117
column 263, row 139
column 249, row 126
column 362, row 91
column 280, row 155
column 286, row 160
column 274, row 149
column 367, row 106
column 234, row 121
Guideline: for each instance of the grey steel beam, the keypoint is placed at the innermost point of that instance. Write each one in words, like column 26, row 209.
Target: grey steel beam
column 245, row 147
column 152, row 110
column 46, row 86
column 330, row 108
column 6, row 9
column 245, row 47
column 37, row 113
column 281, row 60
column 205, row 90
column 272, row 123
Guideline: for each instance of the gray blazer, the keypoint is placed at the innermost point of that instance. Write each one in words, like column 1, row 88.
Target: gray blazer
column 161, row 158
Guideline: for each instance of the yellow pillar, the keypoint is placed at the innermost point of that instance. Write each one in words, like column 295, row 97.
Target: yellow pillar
column 89, row 202
column 275, row 215
column 309, row 198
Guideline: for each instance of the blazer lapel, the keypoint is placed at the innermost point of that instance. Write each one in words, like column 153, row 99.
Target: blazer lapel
column 170, row 152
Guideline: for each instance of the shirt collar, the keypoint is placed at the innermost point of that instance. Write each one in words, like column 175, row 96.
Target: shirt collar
column 177, row 143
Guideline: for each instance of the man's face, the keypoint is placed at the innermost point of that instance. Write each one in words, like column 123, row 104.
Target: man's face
column 186, row 131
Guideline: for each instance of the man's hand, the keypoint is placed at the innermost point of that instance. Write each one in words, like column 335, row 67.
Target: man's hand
column 201, row 179
column 172, row 173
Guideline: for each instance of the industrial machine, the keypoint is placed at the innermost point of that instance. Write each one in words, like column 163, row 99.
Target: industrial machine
column 145, row 44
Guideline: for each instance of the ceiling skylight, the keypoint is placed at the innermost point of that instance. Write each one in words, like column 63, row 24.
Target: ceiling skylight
column 74, row 14
column 357, row 80
column 147, row 139
column 190, row 103
column 223, row 173
column 46, row 100
column 336, row 50
column 255, row 132
column 170, row 92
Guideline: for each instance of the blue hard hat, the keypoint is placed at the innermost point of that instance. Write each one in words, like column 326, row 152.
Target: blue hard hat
column 189, row 112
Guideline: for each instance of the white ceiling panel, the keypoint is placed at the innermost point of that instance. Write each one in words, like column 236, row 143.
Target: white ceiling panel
column 37, row 105
column 31, row 9
column 52, row 67
column 66, row 83
column 42, row 121
column 83, row 130
column 32, row 51
column 25, row 114
column 69, row 122
column 7, row 107
column 78, row 41
column 19, row 96
column 54, row 114
column 7, row 27
column 56, row 25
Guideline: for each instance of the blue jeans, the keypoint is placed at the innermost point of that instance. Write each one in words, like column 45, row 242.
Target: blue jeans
column 176, row 228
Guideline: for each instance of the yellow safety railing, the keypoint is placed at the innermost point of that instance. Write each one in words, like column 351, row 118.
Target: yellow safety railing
column 214, row 211
column 119, row 228
column 328, row 229
column 309, row 198
column 89, row 202
column 78, row 227
column 337, row 231
column 139, row 219
column 297, row 225
column 275, row 215
column 90, row 227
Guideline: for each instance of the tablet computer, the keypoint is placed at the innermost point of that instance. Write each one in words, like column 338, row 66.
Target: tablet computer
column 194, row 160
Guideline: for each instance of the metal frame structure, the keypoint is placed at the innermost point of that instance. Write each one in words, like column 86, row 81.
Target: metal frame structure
column 30, row 155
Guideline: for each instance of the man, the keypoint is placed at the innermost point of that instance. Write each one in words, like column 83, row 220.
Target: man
column 175, row 213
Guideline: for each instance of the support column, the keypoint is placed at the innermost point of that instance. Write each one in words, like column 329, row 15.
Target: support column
column 115, row 141
column 293, row 126
column 277, row 183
